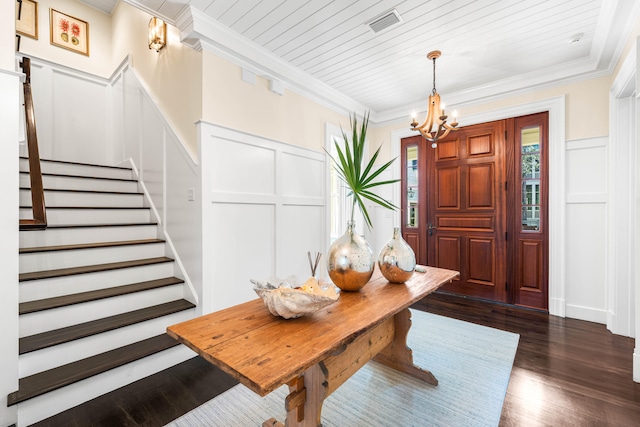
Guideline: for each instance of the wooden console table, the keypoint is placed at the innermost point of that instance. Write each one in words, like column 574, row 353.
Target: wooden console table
column 313, row 354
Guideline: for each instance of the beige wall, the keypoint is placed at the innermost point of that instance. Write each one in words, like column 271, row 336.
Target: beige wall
column 586, row 110
column 173, row 75
column 99, row 61
column 291, row 118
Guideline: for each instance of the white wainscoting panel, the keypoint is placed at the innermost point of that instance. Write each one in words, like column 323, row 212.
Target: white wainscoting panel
column 182, row 215
column 243, row 168
column 82, row 134
column 131, row 109
column 300, row 176
column 297, row 220
column 586, row 168
column 586, row 256
column 72, row 113
column 153, row 156
column 143, row 138
column 586, row 229
column 243, row 248
column 263, row 209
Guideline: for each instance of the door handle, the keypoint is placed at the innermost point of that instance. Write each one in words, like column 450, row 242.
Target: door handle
column 430, row 227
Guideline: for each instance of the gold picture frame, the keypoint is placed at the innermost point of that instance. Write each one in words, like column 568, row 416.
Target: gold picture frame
column 69, row 32
column 27, row 25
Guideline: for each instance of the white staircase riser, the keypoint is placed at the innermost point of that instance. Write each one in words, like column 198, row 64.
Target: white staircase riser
column 51, row 357
column 79, row 183
column 41, row 407
column 40, row 261
column 92, row 216
column 69, row 236
column 57, row 286
column 76, row 169
column 47, row 320
column 85, row 198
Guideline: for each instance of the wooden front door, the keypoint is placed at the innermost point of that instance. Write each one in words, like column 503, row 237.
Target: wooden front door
column 478, row 204
column 466, row 215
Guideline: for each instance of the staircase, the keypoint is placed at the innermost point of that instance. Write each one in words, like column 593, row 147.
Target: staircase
column 97, row 290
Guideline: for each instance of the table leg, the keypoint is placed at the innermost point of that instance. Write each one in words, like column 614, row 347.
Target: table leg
column 307, row 392
column 399, row 356
column 304, row 402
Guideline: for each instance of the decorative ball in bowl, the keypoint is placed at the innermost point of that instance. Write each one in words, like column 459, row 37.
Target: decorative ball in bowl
column 286, row 299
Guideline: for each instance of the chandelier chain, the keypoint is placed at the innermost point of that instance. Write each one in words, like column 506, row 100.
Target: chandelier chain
column 434, row 77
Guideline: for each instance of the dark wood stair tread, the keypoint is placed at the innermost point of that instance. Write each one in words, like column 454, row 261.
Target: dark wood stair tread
column 93, row 207
column 72, row 190
column 128, row 168
column 126, row 224
column 32, row 225
column 53, row 379
column 47, row 274
column 66, row 300
column 64, row 175
column 89, row 245
column 82, row 330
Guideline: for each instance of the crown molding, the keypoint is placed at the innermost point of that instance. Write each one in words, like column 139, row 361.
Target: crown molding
column 151, row 11
column 201, row 32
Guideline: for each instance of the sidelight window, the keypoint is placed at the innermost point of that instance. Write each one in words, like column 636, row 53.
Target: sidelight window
column 530, row 156
column 412, row 187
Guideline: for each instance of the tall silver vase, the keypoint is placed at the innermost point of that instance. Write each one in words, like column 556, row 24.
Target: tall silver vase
column 397, row 260
column 350, row 261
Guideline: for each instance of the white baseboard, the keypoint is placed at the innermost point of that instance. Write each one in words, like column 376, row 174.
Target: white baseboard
column 589, row 314
column 636, row 364
column 557, row 307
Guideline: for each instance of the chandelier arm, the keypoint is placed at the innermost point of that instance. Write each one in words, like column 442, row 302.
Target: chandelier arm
column 426, row 126
column 427, row 136
column 446, row 132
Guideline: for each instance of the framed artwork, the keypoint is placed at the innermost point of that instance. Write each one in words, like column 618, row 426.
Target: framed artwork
column 68, row 32
column 27, row 25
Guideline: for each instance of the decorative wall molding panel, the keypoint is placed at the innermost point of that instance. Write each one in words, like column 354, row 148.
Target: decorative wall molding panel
column 263, row 209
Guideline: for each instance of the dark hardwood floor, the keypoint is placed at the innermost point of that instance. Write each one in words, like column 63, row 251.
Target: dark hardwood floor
column 566, row 372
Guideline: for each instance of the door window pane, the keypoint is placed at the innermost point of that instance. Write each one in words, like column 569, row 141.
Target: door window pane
column 531, row 218
column 530, row 168
column 412, row 188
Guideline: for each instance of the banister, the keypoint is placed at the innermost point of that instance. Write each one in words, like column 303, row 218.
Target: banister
column 39, row 220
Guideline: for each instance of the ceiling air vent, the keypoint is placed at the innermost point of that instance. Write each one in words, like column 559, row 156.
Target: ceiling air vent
column 384, row 21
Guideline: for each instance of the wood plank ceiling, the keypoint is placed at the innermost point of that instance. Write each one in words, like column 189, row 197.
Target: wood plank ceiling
column 484, row 43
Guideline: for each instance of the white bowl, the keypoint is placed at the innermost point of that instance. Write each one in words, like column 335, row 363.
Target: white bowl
column 283, row 299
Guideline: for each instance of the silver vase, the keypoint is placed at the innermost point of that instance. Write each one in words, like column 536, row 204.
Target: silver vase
column 350, row 261
column 397, row 260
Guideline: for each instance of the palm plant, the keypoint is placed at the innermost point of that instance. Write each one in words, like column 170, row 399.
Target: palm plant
column 360, row 179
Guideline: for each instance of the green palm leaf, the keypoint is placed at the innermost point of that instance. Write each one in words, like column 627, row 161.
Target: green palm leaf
column 349, row 167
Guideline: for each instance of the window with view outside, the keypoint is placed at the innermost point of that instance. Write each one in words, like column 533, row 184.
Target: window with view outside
column 530, row 167
column 412, row 186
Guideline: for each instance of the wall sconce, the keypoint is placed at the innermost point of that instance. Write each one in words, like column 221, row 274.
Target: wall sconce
column 157, row 34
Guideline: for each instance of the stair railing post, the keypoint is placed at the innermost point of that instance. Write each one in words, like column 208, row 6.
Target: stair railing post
column 35, row 174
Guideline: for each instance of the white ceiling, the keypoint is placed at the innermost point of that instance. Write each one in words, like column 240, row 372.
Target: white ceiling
column 489, row 47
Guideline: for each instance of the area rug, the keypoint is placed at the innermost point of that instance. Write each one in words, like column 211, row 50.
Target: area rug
column 472, row 364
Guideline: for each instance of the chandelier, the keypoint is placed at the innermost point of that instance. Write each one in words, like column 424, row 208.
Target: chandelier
column 435, row 114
